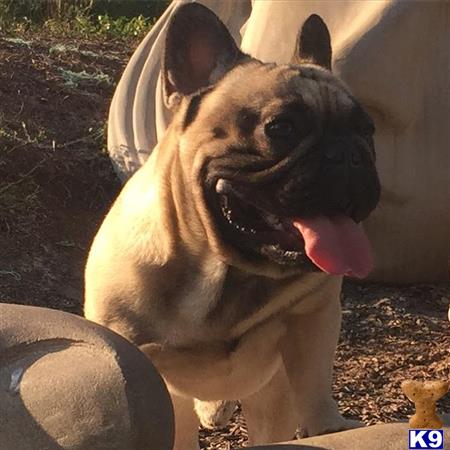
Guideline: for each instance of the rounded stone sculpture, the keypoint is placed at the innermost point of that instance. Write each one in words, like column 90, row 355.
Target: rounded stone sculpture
column 67, row 383
column 387, row 436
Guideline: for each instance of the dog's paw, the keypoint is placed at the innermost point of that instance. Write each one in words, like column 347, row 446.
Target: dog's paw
column 214, row 414
column 326, row 425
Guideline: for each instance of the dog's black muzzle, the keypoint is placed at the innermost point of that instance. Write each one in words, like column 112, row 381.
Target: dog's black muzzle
column 339, row 177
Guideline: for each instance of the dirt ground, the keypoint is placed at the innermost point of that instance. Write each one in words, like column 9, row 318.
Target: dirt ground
column 56, row 183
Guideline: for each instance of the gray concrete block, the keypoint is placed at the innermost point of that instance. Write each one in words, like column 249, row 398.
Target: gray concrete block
column 389, row 436
column 67, row 383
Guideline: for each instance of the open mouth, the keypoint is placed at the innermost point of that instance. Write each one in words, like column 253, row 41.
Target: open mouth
column 335, row 245
column 251, row 226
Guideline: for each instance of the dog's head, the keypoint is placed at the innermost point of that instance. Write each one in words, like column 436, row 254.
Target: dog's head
column 279, row 158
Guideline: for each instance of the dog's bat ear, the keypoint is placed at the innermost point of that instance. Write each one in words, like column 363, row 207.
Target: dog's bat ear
column 199, row 50
column 314, row 43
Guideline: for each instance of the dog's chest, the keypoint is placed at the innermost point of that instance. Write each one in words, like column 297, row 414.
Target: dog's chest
column 200, row 293
column 185, row 301
column 242, row 296
column 212, row 305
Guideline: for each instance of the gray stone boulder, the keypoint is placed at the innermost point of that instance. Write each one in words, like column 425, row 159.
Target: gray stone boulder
column 389, row 436
column 67, row 383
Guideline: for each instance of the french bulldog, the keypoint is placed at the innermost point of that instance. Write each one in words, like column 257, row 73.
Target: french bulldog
column 222, row 258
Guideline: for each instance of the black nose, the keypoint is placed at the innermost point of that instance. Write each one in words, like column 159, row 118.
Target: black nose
column 340, row 153
column 338, row 177
column 349, row 182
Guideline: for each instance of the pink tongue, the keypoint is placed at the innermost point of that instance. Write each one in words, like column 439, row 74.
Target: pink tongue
column 336, row 245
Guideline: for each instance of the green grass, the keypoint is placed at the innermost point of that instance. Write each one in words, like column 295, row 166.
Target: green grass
column 102, row 26
column 80, row 17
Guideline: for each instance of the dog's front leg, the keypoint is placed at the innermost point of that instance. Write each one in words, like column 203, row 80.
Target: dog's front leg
column 186, row 423
column 308, row 353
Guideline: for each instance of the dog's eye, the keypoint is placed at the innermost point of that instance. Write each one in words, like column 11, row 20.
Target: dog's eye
column 280, row 128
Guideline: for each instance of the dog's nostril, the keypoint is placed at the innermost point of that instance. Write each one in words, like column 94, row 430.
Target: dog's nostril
column 355, row 158
column 335, row 154
column 339, row 154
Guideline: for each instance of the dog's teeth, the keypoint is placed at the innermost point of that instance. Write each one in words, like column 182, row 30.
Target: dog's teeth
column 228, row 214
column 240, row 228
column 222, row 186
column 291, row 254
column 224, row 200
column 273, row 221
